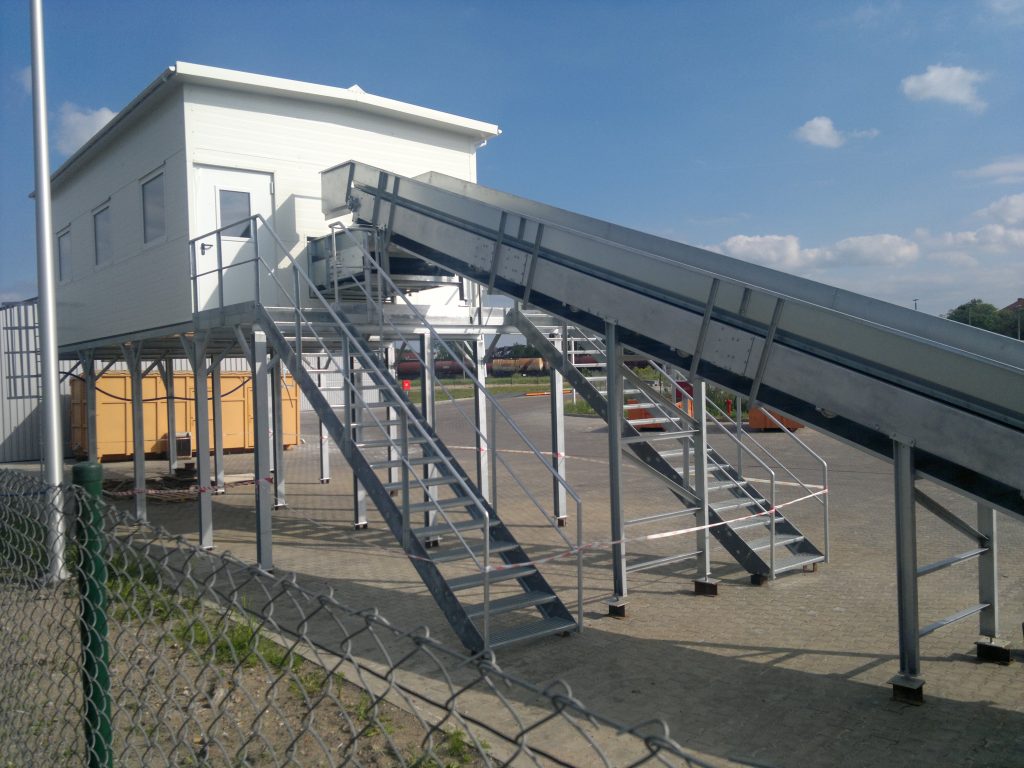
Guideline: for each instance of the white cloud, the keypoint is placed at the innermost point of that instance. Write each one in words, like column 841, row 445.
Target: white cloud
column 24, row 78
column 1006, row 170
column 822, row 132
column 779, row 251
column 76, row 125
column 876, row 249
column 1006, row 210
column 954, row 85
column 1011, row 11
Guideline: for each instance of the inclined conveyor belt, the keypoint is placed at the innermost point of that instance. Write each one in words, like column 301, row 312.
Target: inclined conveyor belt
column 863, row 370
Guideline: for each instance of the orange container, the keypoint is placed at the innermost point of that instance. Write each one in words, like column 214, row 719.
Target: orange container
column 758, row 419
column 114, row 413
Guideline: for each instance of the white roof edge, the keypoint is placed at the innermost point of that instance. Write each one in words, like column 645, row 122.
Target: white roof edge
column 355, row 98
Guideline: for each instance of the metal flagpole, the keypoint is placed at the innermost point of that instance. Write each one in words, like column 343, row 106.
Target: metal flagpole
column 53, row 459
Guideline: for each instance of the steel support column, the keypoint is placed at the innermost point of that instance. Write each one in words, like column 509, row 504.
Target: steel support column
column 613, row 372
column 428, row 407
column 167, row 372
column 262, row 450
column 703, row 583
column 990, row 647
column 89, row 375
column 195, row 349
column 483, row 477
column 556, row 384
column 907, row 685
column 276, row 408
column 218, row 427
column 323, row 366
column 354, row 380
column 133, row 356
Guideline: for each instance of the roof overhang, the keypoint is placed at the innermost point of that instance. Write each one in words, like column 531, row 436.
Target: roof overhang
column 351, row 98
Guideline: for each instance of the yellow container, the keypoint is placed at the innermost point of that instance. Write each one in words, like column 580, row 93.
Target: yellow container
column 114, row 413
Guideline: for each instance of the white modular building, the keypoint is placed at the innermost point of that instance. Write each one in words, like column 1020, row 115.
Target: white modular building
column 199, row 148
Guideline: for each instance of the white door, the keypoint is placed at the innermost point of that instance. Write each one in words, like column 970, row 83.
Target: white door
column 226, row 262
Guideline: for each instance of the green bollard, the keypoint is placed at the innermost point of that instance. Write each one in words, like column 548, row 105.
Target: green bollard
column 92, row 591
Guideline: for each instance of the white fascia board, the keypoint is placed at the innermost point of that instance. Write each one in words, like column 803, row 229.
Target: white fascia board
column 353, row 99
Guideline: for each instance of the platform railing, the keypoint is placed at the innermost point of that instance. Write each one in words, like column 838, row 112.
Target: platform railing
column 355, row 345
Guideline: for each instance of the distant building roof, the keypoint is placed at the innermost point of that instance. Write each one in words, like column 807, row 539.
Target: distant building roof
column 1017, row 306
column 352, row 98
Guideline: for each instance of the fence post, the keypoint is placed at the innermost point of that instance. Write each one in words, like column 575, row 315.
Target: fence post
column 92, row 590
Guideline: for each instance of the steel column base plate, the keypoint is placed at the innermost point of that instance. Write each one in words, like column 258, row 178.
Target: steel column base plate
column 360, row 526
column 562, row 522
column 617, row 607
column 909, row 690
column 324, row 480
column 757, row 579
column 995, row 651
column 706, row 586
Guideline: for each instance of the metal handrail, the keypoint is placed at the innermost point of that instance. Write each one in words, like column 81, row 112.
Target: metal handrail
column 465, row 369
column 403, row 405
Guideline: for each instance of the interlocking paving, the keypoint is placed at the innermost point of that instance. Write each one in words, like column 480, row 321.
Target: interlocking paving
column 792, row 673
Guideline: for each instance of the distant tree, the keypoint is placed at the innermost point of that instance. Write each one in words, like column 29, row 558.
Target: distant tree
column 981, row 314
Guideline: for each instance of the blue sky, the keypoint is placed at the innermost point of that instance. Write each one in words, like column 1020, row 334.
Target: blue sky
column 875, row 146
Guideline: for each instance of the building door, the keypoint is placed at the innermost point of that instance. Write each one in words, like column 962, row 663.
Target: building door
column 226, row 199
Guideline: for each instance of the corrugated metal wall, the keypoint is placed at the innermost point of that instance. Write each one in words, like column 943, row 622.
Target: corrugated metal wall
column 20, row 377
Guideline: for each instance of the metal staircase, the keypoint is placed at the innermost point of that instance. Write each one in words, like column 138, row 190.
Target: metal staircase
column 664, row 435
column 488, row 588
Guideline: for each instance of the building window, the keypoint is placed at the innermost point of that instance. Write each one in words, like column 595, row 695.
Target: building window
column 64, row 255
column 153, row 209
column 234, row 206
column 101, row 235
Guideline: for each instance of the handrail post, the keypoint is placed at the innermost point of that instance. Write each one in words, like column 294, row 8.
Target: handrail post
column 256, row 260
column 92, row 590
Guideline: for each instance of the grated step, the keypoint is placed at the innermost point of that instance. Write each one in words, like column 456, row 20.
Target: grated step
column 440, row 529
column 750, row 523
column 477, row 579
column 783, row 564
column 452, row 554
column 529, row 599
column 458, row 501
column 535, row 629
column 427, row 481
column 743, row 504
column 766, row 542
column 399, row 462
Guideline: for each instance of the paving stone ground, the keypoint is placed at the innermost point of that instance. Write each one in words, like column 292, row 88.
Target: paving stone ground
column 791, row 673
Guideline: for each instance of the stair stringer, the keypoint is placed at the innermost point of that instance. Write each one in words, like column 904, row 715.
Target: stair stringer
column 447, row 601
column 730, row 540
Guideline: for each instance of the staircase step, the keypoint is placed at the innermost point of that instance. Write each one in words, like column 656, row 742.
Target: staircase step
column 529, row 599
column 752, row 522
column 477, row 579
column 427, row 481
column 792, row 562
column 535, row 629
column 452, row 554
column 393, row 443
column 440, row 529
column 739, row 504
column 654, row 420
column 766, row 542
column 458, row 501
column 661, row 516
column 410, row 459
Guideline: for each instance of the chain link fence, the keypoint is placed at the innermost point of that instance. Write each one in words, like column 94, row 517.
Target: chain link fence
column 154, row 652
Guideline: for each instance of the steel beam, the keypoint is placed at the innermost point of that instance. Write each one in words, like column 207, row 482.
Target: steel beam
column 218, row 427
column 167, row 373
column 990, row 646
column 613, row 372
column 262, row 450
column 703, row 583
column 195, row 350
column 907, row 685
column 133, row 357
column 89, row 376
column 556, row 384
column 483, row 478
column 322, row 364
column 276, row 406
